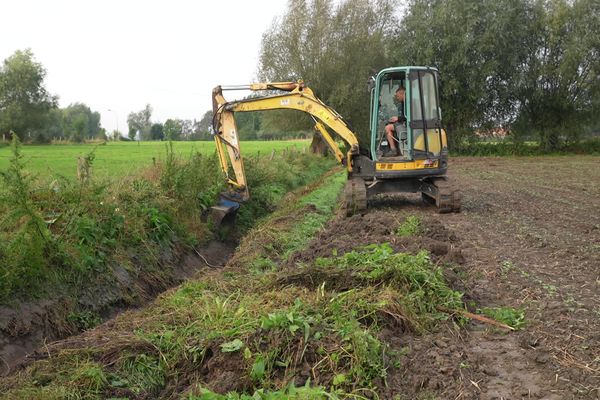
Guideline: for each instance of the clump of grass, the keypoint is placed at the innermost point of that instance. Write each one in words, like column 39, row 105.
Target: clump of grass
column 84, row 320
column 415, row 287
column 291, row 392
column 513, row 317
column 289, row 228
column 410, row 227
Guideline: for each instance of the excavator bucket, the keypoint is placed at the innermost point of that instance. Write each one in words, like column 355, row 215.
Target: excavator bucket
column 223, row 214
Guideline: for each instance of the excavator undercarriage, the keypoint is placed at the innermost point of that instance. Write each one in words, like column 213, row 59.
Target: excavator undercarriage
column 437, row 191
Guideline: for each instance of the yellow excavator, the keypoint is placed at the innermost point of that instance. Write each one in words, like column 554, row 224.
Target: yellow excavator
column 408, row 149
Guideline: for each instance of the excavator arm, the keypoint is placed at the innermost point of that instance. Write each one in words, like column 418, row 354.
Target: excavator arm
column 296, row 96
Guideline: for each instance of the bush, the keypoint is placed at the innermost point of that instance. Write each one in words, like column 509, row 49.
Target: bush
column 510, row 148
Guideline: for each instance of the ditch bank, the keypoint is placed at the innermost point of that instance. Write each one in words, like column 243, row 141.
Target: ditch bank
column 312, row 305
column 110, row 247
column 29, row 325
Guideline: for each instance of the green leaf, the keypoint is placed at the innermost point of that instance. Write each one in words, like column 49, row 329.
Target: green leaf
column 339, row 379
column 258, row 369
column 247, row 353
column 232, row 346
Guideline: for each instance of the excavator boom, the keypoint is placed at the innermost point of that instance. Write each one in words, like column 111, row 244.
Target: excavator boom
column 295, row 96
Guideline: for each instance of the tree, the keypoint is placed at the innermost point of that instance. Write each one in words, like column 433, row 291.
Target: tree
column 477, row 45
column 528, row 65
column 79, row 125
column 54, row 127
column 560, row 81
column 202, row 127
column 140, row 122
column 173, row 129
column 156, row 132
column 79, row 122
column 25, row 103
column 335, row 49
column 187, row 129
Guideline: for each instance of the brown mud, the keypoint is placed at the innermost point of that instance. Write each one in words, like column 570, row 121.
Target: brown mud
column 528, row 238
column 529, row 234
column 27, row 327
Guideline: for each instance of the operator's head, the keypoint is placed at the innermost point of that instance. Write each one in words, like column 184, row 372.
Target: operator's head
column 400, row 92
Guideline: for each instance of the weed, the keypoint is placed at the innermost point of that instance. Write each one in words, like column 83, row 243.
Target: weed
column 422, row 285
column 513, row 317
column 67, row 235
column 410, row 227
column 506, row 267
column 549, row 288
column 84, row 166
column 572, row 304
column 84, row 320
column 23, row 229
column 261, row 265
column 291, row 393
column 230, row 347
column 90, row 377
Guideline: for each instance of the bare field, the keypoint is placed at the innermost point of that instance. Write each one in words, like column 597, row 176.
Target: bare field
column 529, row 237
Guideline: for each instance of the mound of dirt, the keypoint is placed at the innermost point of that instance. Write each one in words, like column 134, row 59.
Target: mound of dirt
column 347, row 234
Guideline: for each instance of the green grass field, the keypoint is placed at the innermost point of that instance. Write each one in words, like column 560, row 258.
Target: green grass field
column 121, row 158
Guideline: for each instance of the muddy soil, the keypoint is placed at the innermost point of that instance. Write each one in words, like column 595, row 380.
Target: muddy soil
column 26, row 327
column 528, row 237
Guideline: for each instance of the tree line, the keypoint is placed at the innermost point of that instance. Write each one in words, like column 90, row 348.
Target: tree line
column 530, row 68
column 141, row 127
column 31, row 112
column 28, row 110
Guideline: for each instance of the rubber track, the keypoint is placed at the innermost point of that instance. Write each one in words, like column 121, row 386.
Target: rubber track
column 449, row 197
column 355, row 196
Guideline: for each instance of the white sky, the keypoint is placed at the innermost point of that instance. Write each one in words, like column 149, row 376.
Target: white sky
column 123, row 54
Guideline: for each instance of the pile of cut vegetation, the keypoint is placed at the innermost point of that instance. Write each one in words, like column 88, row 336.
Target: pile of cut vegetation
column 258, row 328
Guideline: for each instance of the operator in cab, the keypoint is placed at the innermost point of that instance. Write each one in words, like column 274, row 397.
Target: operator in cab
column 393, row 122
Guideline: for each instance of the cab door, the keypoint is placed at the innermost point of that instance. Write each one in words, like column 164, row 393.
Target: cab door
column 425, row 125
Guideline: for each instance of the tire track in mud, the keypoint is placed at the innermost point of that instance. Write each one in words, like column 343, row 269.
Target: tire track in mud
column 546, row 255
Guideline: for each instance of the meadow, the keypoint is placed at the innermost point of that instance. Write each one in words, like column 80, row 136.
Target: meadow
column 117, row 159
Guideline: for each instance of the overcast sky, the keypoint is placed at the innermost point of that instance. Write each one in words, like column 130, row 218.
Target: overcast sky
column 121, row 55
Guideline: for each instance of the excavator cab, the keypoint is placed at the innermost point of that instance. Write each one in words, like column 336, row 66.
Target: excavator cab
column 418, row 134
